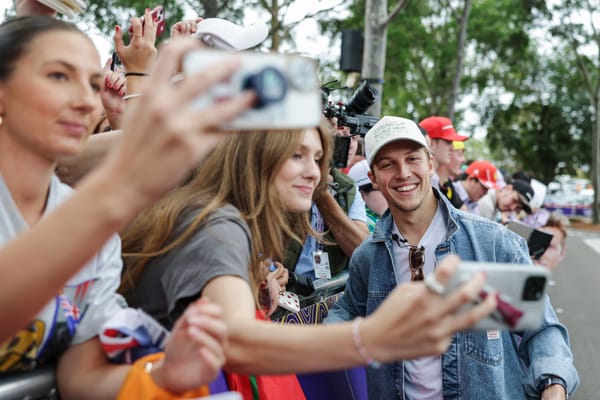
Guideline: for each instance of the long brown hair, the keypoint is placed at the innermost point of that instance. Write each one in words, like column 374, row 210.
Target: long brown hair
column 240, row 172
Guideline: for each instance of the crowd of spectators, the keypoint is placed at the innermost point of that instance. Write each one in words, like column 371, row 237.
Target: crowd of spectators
column 201, row 228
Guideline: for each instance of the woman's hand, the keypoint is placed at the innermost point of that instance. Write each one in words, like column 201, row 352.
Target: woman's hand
column 139, row 55
column 280, row 275
column 185, row 29
column 115, row 87
column 194, row 353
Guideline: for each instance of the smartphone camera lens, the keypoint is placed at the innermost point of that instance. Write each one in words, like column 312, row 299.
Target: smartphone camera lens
column 269, row 84
column 534, row 288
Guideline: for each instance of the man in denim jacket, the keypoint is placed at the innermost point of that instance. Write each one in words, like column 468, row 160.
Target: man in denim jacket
column 409, row 240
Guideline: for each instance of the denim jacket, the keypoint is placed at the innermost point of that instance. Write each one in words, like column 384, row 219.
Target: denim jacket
column 474, row 367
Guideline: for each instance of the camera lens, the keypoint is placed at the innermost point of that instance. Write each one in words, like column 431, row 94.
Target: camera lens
column 363, row 98
column 534, row 288
column 269, row 84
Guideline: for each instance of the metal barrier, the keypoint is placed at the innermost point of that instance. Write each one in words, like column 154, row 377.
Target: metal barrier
column 39, row 384
column 314, row 308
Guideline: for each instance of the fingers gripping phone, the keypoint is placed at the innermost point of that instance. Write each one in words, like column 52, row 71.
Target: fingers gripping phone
column 158, row 14
column 520, row 291
column 286, row 87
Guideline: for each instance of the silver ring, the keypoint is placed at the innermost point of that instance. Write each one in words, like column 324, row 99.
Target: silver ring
column 433, row 285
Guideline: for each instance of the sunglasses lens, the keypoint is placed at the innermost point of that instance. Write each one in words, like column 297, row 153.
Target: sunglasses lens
column 416, row 258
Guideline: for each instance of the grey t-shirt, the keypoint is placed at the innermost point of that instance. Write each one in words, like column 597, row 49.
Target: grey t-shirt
column 170, row 282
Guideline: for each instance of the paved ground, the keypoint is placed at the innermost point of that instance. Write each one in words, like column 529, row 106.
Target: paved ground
column 576, row 299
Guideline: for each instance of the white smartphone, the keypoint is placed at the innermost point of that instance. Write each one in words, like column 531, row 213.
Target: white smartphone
column 521, row 291
column 287, row 88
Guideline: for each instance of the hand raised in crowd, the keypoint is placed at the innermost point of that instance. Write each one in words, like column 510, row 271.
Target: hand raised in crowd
column 33, row 7
column 164, row 135
column 194, row 353
column 272, row 286
column 184, row 28
column 279, row 275
column 113, row 90
column 140, row 53
column 426, row 321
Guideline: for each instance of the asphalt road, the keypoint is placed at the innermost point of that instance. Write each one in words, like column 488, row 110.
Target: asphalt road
column 576, row 299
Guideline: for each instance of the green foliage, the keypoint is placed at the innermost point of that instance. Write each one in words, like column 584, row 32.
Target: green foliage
column 533, row 103
column 105, row 14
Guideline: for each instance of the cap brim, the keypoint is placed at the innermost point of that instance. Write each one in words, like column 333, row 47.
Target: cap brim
column 456, row 138
column 226, row 35
column 525, row 204
column 489, row 184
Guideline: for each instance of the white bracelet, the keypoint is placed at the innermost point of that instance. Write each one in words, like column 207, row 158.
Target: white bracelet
column 132, row 96
column 360, row 347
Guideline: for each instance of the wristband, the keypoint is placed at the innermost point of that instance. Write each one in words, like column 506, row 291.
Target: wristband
column 135, row 74
column 362, row 350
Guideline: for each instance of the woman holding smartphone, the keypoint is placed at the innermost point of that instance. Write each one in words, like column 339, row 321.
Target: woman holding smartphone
column 50, row 80
column 213, row 235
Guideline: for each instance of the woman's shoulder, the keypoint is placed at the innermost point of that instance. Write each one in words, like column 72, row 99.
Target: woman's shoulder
column 225, row 220
column 226, row 211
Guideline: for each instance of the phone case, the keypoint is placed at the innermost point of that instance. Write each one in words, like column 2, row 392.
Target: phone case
column 158, row 13
column 289, row 301
column 287, row 89
column 537, row 241
column 521, row 291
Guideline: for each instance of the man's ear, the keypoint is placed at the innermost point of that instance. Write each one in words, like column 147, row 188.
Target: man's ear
column 373, row 180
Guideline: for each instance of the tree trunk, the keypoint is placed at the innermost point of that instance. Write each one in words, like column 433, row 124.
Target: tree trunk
column 596, row 157
column 374, row 51
column 275, row 31
column 460, row 56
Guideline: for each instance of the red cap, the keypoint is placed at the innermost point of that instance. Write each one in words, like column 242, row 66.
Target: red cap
column 485, row 171
column 441, row 128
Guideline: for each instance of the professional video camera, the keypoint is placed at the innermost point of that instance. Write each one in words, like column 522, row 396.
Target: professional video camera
column 352, row 114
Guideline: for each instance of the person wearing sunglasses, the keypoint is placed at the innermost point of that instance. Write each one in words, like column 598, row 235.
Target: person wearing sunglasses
column 410, row 240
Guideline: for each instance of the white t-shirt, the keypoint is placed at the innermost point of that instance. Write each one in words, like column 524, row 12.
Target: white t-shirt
column 423, row 376
column 76, row 313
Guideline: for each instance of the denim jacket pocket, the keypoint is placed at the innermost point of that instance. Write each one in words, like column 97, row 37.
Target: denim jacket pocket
column 479, row 346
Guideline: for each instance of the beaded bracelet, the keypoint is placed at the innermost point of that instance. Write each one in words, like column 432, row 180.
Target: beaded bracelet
column 371, row 362
column 135, row 74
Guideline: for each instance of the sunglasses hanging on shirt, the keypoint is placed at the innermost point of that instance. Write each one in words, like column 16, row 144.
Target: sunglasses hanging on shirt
column 416, row 258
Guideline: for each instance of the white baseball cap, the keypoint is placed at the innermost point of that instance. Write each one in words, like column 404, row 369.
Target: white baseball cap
column 225, row 35
column 359, row 172
column 391, row 129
